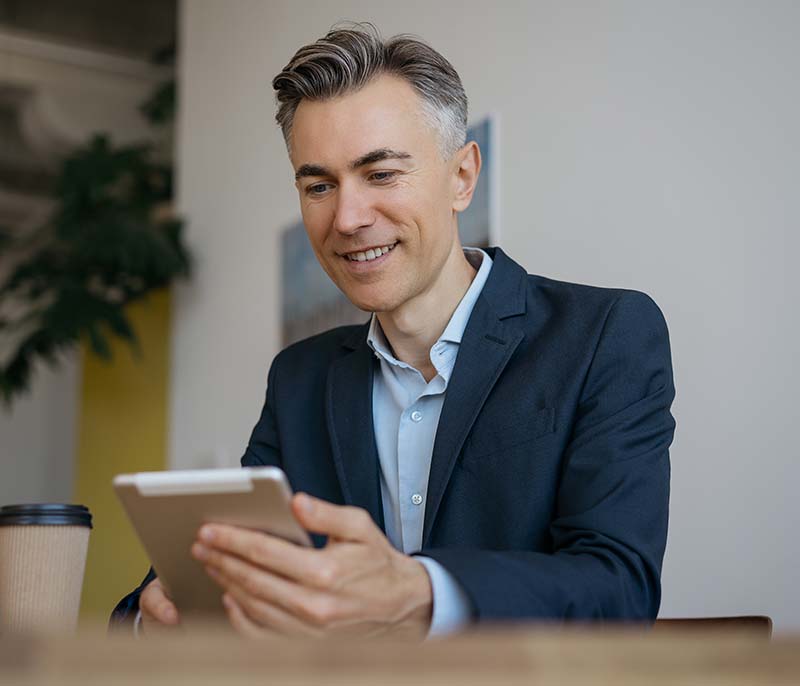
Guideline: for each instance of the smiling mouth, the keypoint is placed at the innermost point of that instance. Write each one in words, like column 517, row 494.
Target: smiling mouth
column 371, row 254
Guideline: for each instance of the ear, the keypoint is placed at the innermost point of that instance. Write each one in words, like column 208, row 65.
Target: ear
column 467, row 169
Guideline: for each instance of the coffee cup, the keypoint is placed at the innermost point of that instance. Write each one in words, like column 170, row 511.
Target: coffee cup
column 42, row 560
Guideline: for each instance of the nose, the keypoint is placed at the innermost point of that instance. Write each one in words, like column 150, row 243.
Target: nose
column 353, row 209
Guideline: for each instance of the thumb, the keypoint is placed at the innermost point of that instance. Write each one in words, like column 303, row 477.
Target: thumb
column 339, row 521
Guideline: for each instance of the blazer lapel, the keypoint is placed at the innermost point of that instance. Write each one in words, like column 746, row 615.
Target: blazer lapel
column 489, row 341
column 348, row 400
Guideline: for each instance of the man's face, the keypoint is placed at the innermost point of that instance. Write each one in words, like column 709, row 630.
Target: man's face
column 371, row 178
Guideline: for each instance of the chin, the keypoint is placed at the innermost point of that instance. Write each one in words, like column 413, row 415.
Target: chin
column 371, row 303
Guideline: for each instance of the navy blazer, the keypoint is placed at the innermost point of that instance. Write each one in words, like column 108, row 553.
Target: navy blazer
column 549, row 485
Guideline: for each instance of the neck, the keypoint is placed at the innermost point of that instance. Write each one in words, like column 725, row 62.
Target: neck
column 413, row 328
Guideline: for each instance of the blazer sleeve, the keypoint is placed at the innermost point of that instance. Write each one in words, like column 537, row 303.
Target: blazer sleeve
column 262, row 450
column 610, row 525
column 124, row 614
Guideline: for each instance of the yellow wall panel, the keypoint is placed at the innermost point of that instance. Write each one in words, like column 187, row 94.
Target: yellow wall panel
column 122, row 428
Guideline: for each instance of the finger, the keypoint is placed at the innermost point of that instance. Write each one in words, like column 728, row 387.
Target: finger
column 263, row 614
column 340, row 521
column 310, row 607
column 262, row 549
column 266, row 616
column 241, row 623
column 156, row 606
column 230, row 571
column 313, row 615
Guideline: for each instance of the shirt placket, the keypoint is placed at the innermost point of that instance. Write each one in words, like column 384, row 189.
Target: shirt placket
column 417, row 429
column 408, row 446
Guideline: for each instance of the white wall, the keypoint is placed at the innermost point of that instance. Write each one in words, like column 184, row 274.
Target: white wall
column 643, row 145
column 38, row 438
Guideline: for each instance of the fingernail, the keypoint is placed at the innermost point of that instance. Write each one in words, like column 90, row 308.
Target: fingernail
column 213, row 573
column 227, row 601
column 199, row 551
column 207, row 534
column 170, row 615
column 306, row 502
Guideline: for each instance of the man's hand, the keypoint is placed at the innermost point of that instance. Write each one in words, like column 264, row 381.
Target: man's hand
column 357, row 585
column 157, row 609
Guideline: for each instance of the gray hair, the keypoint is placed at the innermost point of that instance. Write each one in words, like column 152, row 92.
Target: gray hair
column 346, row 59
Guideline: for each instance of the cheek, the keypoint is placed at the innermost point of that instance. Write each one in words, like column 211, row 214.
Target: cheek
column 316, row 219
column 411, row 210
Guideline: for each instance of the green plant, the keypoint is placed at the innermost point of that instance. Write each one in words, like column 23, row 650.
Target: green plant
column 109, row 241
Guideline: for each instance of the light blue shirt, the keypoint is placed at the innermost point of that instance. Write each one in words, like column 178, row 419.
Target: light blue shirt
column 405, row 410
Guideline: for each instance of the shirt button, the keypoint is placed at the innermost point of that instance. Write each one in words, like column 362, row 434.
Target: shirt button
column 416, row 416
column 416, row 499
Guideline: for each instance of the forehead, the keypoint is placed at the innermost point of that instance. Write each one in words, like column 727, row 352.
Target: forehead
column 386, row 113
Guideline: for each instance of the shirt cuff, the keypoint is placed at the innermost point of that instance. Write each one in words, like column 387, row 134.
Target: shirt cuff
column 137, row 625
column 452, row 609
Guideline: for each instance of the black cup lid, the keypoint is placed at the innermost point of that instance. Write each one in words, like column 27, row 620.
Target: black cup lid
column 45, row 514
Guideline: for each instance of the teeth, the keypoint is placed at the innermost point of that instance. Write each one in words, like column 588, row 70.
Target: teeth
column 370, row 254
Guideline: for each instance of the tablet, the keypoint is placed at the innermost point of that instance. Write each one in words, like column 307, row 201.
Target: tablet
column 168, row 508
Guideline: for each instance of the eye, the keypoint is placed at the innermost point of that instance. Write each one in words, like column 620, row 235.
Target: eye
column 382, row 176
column 317, row 188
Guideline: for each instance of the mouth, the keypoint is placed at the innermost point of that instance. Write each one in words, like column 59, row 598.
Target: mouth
column 370, row 254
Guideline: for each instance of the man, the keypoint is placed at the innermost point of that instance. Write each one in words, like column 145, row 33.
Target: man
column 492, row 445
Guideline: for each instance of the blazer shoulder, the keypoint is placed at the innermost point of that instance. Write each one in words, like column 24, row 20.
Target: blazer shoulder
column 585, row 297
column 320, row 348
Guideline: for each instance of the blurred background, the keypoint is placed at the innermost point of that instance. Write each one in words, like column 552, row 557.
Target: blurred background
column 651, row 146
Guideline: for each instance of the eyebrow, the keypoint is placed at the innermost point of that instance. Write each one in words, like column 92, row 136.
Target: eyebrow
column 370, row 158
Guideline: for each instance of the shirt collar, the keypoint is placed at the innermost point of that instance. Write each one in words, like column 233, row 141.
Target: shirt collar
column 454, row 330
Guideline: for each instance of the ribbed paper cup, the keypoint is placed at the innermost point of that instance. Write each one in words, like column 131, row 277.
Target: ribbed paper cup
column 42, row 559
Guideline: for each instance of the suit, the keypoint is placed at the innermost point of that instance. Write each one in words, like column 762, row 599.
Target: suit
column 549, row 484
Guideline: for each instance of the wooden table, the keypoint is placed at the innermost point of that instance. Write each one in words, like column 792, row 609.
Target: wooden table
column 487, row 657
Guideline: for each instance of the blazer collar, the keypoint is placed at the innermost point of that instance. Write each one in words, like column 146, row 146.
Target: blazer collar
column 348, row 406
column 505, row 288
column 492, row 335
